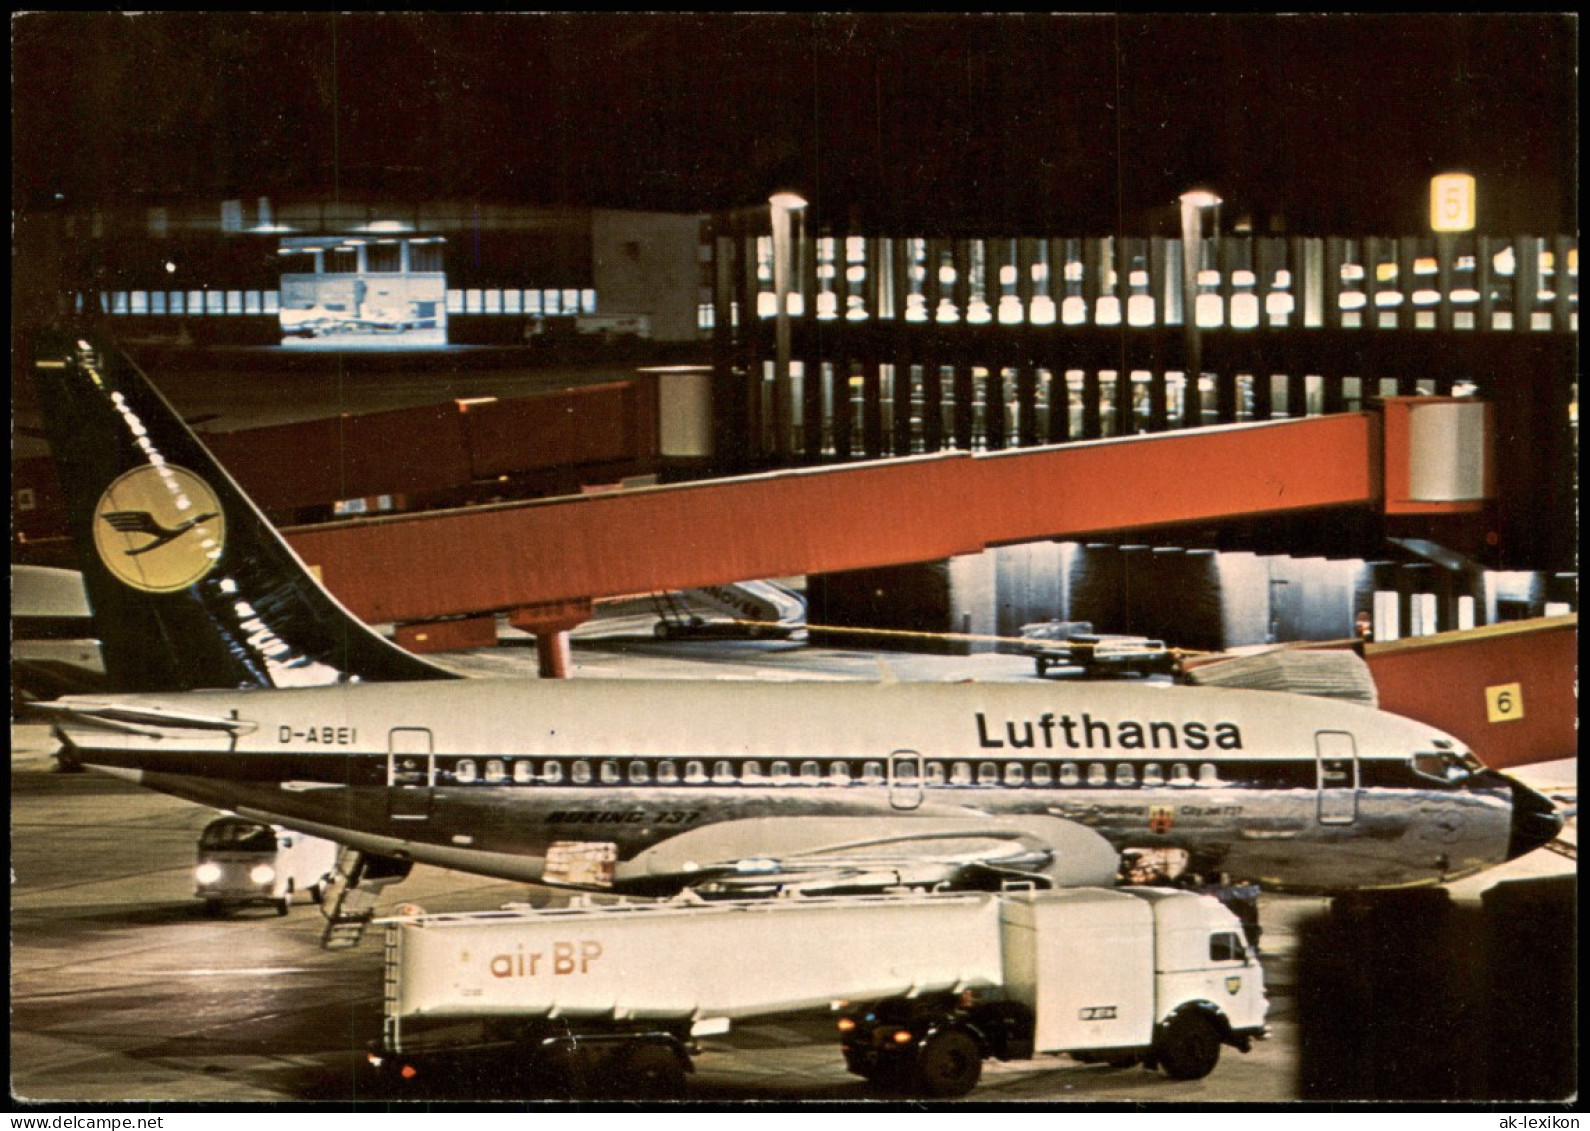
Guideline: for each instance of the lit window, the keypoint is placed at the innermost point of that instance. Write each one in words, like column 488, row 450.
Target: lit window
column 1208, row 775
column 580, row 772
column 1042, row 774
column 532, row 302
column 961, row 773
column 1153, row 774
column 550, row 303
column 667, row 772
column 987, row 773
column 839, row 773
column 638, row 774
column 695, row 773
column 571, row 302
column 935, row 773
column 493, row 300
column 234, row 302
column 1179, row 774
column 610, row 774
column 511, row 302
column 214, row 302
column 472, row 301
column 176, row 303
column 251, row 302
column 723, row 773
column 139, row 303
column 118, row 302
column 1015, row 774
column 465, row 770
column 1069, row 774
column 495, row 770
column 1098, row 774
column 552, row 772
column 811, row 773
column 523, row 772
column 588, row 301
column 273, row 302
column 196, row 303
column 780, row 773
column 1124, row 774
column 455, row 301
column 751, row 772
column 872, row 773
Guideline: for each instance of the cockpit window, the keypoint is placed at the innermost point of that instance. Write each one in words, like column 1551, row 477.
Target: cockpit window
column 239, row 836
column 1444, row 765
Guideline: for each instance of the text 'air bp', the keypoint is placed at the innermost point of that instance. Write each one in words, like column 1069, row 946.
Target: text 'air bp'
column 564, row 958
column 1067, row 732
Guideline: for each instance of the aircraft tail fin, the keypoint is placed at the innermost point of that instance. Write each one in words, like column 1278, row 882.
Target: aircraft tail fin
column 191, row 586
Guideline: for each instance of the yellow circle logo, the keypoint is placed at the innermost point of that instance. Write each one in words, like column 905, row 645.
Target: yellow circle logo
column 159, row 529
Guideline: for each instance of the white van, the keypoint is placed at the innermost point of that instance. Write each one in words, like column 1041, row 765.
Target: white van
column 242, row 861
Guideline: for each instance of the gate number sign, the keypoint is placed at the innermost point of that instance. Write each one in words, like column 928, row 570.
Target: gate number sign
column 1504, row 702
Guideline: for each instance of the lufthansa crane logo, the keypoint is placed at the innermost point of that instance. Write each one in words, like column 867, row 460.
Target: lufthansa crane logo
column 159, row 528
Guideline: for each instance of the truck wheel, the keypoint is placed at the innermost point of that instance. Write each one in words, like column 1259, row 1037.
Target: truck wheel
column 1189, row 1048
column 949, row 1064
column 650, row 1070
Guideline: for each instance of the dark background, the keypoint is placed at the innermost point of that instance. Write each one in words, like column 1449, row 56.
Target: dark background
column 933, row 123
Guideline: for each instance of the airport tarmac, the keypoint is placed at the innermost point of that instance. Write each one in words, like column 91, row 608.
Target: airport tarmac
column 122, row 989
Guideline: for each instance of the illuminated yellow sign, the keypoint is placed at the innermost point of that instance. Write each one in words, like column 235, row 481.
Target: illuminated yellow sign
column 1504, row 702
column 1452, row 203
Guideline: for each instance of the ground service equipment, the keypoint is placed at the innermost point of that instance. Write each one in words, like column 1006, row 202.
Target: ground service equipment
column 928, row 985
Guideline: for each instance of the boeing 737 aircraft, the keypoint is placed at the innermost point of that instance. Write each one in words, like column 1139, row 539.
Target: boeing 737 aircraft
column 249, row 688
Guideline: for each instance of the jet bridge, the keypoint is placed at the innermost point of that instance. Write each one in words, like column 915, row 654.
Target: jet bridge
column 543, row 562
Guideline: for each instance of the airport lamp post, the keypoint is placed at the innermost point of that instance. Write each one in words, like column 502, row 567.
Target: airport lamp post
column 1192, row 240
column 783, row 206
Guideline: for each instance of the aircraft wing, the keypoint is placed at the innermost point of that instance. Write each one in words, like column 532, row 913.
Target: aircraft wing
column 850, row 854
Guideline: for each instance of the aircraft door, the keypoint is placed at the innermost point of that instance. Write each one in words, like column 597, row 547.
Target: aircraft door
column 410, row 773
column 905, row 779
column 1337, row 755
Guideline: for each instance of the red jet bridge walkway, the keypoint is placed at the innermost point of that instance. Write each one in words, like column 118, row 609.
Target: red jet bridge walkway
column 544, row 562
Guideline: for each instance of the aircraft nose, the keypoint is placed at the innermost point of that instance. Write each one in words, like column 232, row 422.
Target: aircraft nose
column 1535, row 820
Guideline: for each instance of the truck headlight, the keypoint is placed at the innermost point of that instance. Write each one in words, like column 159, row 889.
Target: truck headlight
column 207, row 873
column 262, row 874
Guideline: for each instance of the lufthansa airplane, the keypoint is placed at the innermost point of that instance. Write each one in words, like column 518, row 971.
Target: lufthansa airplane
column 246, row 686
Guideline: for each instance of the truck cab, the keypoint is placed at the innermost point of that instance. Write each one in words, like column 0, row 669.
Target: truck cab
column 243, row 862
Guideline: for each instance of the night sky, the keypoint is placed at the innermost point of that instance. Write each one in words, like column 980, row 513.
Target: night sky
column 1031, row 124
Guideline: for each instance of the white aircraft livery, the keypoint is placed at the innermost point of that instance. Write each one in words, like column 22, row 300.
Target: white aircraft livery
column 243, row 685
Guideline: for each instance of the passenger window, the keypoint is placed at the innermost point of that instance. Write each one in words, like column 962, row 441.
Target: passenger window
column 1153, row 774
column 987, row 773
column 495, row 771
column 1208, row 775
column 580, row 772
column 695, row 773
column 811, row 773
column 1098, row 774
column 1124, row 774
column 464, row 771
column 1069, row 775
column 1015, row 774
column 1042, row 774
column 961, row 773
column 872, row 773
column 638, row 774
column 751, row 772
column 839, row 773
column 1179, row 774
column 524, row 771
column 552, row 772
column 723, row 772
column 667, row 772
column 1226, row 946
column 781, row 774
column 934, row 773
column 610, row 772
